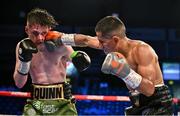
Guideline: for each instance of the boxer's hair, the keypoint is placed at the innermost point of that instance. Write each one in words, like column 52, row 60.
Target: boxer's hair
column 111, row 25
column 42, row 17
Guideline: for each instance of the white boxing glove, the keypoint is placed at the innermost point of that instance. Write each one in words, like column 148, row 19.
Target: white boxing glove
column 115, row 63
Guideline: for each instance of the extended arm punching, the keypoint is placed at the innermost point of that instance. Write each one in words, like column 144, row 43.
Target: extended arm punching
column 55, row 38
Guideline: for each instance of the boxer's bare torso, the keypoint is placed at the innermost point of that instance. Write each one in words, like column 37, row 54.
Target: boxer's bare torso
column 46, row 67
column 50, row 67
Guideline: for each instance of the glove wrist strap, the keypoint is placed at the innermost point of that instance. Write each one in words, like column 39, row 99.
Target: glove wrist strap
column 68, row 39
column 24, row 67
column 133, row 79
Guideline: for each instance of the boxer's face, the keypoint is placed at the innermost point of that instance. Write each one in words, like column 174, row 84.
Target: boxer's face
column 37, row 33
column 107, row 42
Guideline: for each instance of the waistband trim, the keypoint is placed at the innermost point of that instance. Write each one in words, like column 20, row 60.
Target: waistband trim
column 47, row 92
column 159, row 85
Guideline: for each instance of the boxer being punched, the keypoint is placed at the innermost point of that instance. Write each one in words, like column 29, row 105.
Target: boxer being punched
column 135, row 62
column 46, row 64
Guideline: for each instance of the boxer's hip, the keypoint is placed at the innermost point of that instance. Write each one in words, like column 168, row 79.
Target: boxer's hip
column 159, row 103
column 161, row 96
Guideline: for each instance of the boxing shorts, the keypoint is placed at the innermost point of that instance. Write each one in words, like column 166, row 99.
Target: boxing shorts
column 53, row 99
column 160, row 103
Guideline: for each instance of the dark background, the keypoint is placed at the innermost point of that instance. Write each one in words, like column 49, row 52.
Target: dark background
column 156, row 22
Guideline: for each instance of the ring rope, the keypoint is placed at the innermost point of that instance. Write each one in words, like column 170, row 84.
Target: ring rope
column 78, row 97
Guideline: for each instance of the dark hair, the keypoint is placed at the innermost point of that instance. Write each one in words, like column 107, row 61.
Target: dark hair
column 110, row 24
column 42, row 17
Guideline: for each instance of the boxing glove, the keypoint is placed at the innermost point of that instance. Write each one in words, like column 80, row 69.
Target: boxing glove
column 59, row 38
column 25, row 51
column 115, row 63
column 80, row 60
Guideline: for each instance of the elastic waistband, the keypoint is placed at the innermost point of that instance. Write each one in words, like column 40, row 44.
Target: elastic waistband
column 48, row 92
column 159, row 85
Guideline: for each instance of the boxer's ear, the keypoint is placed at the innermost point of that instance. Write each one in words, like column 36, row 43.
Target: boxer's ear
column 115, row 38
column 26, row 29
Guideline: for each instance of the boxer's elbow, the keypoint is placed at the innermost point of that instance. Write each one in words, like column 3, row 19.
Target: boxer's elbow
column 19, row 85
column 150, row 90
column 146, row 87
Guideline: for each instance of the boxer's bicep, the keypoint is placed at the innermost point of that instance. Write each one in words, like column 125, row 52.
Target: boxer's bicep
column 147, row 72
column 146, row 60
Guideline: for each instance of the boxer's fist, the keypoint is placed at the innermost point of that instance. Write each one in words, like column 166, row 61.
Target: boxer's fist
column 55, row 37
column 60, row 38
column 115, row 64
column 53, row 40
column 80, row 60
column 26, row 49
column 51, row 35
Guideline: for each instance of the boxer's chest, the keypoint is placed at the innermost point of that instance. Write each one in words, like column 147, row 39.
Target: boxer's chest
column 45, row 60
